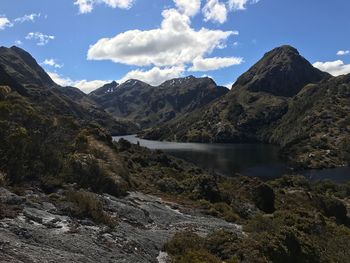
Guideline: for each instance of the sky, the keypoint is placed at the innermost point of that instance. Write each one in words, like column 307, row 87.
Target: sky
column 87, row 43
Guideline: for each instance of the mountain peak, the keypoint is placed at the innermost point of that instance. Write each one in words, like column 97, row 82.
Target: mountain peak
column 107, row 88
column 281, row 72
column 286, row 48
column 24, row 68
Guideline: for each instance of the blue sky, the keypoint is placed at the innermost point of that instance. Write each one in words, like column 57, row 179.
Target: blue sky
column 87, row 43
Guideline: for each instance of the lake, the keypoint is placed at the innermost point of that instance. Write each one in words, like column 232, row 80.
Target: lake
column 260, row 160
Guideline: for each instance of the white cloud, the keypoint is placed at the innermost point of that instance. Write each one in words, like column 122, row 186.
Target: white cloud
column 86, row 6
column 206, row 64
column 41, row 38
column 168, row 49
column 175, row 43
column 25, row 18
column 4, row 22
column 343, row 52
column 88, row 86
column 18, row 42
column 188, row 7
column 52, row 62
column 229, row 85
column 335, row 68
column 215, row 11
column 84, row 85
column 154, row 76
column 240, row 4
column 60, row 80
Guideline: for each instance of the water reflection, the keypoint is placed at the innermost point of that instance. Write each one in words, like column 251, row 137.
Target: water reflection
column 261, row 160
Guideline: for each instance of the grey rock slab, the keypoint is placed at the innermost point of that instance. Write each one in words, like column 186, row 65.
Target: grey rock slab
column 10, row 198
column 145, row 223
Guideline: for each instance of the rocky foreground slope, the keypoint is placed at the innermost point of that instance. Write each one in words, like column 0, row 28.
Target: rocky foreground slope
column 272, row 102
column 42, row 231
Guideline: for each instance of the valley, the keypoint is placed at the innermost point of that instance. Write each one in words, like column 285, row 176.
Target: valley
column 70, row 192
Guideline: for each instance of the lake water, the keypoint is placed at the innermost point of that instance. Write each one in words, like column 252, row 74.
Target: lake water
column 261, row 160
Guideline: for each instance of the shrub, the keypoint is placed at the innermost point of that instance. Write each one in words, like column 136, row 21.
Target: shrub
column 85, row 170
column 196, row 256
column 264, row 198
column 261, row 223
column 333, row 207
column 183, row 242
column 81, row 142
column 87, row 205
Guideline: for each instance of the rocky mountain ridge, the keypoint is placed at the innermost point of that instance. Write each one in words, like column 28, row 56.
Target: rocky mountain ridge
column 150, row 106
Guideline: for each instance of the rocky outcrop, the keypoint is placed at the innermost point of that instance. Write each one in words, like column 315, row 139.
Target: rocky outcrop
column 43, row 232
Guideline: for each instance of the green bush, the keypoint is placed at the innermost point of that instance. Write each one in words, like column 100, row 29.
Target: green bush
column 85, row 170
column 264, row 198
column 87, row 205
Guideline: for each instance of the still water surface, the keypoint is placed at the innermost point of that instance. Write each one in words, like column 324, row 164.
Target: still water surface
column 261, row 160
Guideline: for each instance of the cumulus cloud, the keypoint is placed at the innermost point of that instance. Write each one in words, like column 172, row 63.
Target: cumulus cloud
column 343, row 52
column 215, row 11
column 206, row 64
column 335, row 68
column 84, row 85
column 172, row 47
column 60, row 80
column 41, row 38
column 175, row 43
column 26, row 18
column 86, row 6
column 52, row 63
column 229, row 85
column 18, row 42
column 4, row 22
column 240, row 4
column 154, row 76
column 88, row 86
column 189, row 8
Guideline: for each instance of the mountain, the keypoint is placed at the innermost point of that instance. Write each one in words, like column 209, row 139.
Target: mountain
column 20, row 71
column 274, row 101
column 23, row 68
column 149, row 105
column 281, row 72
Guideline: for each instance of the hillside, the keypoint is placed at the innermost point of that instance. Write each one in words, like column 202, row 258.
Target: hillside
column 272, row 102
column 150, row 106
column 20, row 71
column 315, row 131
